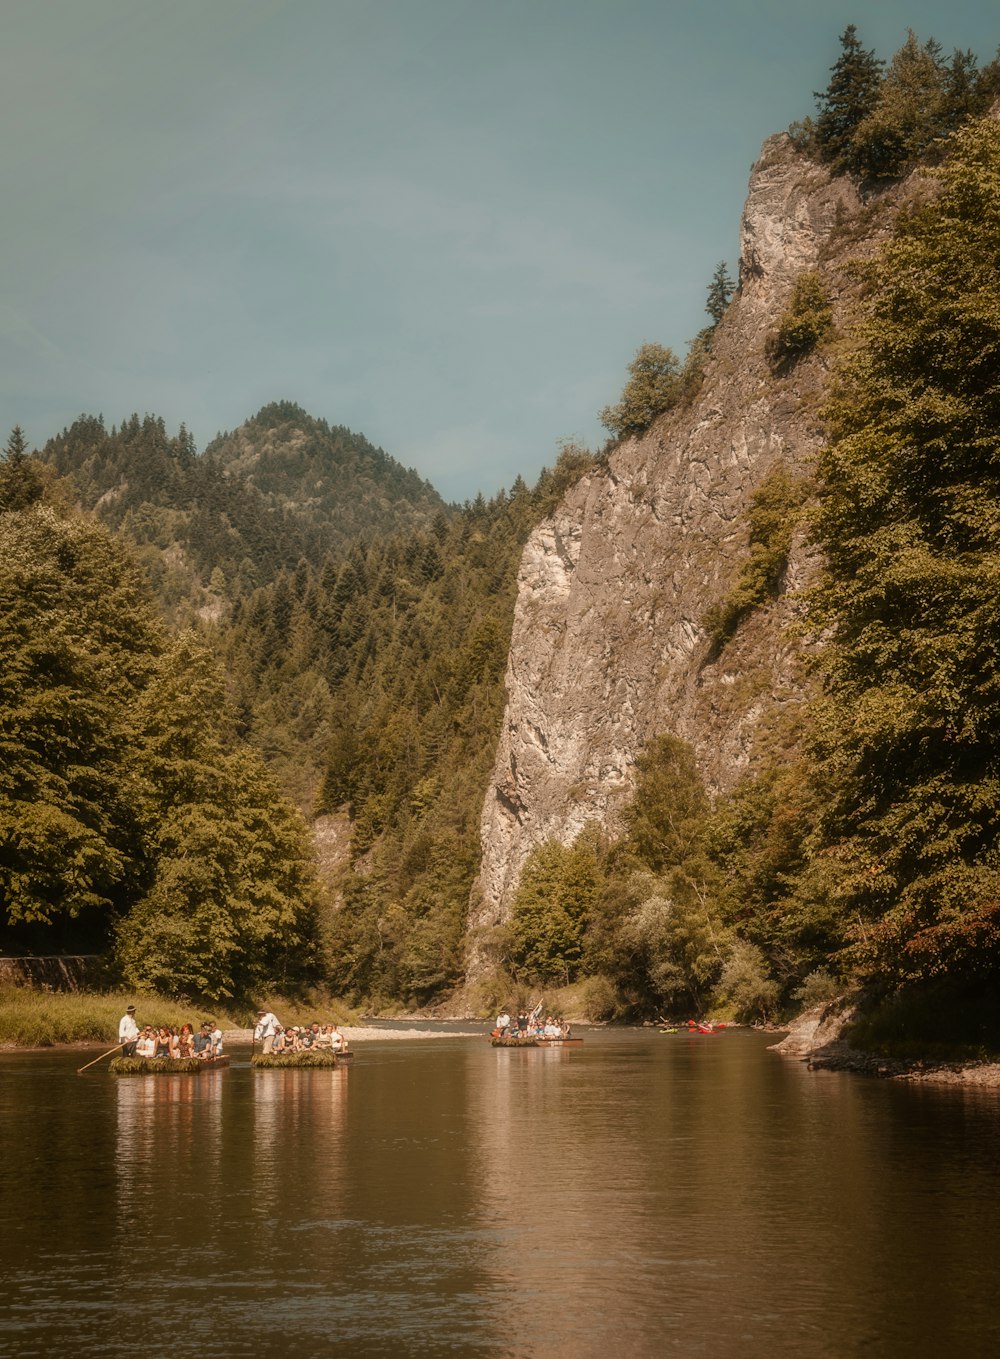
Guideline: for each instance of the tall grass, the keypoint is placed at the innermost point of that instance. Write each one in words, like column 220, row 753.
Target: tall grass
column 35, row 1019
column 31, row 1018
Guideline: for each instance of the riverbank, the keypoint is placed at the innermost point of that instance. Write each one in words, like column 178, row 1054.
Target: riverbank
column 820, row 1038
column 38, row 1018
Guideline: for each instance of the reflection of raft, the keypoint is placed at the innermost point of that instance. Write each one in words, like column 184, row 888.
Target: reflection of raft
column 283, row 1061
column 165, row 1066
column 533, row 1042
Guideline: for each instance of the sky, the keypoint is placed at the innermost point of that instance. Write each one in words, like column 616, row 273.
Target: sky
column 445, row 224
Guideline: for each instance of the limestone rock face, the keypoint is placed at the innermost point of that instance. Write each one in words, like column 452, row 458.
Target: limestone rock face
column 608, row 648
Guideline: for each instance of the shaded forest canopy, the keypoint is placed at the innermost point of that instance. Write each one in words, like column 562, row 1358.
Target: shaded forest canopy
column 204, row 652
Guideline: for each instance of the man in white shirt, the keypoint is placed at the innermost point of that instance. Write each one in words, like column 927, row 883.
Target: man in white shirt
column 267, row 1027
column 128, row 1032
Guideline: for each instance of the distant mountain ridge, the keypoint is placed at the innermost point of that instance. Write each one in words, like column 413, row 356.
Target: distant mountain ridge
column 282, row 488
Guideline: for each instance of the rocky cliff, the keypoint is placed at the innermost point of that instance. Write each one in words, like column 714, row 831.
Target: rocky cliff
column 608, row 647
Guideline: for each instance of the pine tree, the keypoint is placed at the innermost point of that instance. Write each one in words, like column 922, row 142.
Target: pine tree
column 849, row 98
column 720, row 290
column 20, row 482
column 911, row 110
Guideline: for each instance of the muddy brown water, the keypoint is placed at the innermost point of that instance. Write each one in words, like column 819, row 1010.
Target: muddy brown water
column 641, row 1194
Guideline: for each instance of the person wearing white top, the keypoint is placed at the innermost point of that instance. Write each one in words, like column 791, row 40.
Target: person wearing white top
column 267, row 1027
column 128, row 1032
column 146, row 1045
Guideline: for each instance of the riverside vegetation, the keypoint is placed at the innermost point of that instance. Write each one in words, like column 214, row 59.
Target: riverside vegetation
column 157, row 771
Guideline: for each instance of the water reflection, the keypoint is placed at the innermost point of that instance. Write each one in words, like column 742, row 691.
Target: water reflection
column 299, row 1119
column 637, row 1196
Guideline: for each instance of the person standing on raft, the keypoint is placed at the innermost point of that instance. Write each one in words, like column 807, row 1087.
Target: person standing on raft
column 128, row 1032
column 267, row 1026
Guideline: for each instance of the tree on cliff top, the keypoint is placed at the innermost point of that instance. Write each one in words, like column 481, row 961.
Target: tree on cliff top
column 653, row 387
column 848, row 99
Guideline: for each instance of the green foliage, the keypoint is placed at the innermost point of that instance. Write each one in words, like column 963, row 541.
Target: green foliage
column 162, row 1066
column 807, row 320
column 909, row 522
column 775, row 513
column 230, row 905
column 779, row 890
column 272, row 1061
column 720, row 290
column 77, row 640
column 655, row 930
column 20, row 481
column 125, row 797
column 909, row 113
column 281, row 489
column 819, row 987
column 745, row 987
column 944, row 1020
column 878, row 123
column 32, row 1018
column 554, row 899
column 653, row 387
column 847, row 101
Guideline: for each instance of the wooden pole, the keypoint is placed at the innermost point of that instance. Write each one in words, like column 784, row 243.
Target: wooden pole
column 117, row 1048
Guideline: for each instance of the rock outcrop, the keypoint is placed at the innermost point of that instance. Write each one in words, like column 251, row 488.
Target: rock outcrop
column 608, row 647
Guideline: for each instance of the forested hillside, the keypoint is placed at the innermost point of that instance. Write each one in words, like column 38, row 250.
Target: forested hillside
column 374, row 686
column 283, row 488
column 204, row 652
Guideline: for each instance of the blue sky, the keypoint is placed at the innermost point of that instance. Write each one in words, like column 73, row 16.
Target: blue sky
column 447, row 224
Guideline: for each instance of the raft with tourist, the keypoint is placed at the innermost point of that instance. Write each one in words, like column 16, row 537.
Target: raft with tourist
column 164, row 1049
column 531, row 1031
column 308, row 1046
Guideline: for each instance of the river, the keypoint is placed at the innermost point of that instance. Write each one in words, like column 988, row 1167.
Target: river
column 642, row 1194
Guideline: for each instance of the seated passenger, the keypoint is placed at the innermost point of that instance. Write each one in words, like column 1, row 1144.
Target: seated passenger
column 185, row 1041
column 203, row 1042
column 337, row 1039
column 323, row 1040
column 146, row 1043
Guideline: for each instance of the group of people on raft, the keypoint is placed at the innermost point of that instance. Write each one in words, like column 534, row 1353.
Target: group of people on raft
column 524, row 1025
column 167, row 1041
column 314, row 1037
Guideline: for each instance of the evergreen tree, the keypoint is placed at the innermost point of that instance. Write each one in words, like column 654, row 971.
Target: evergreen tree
column 849, row 98
column 20, row 482
column 720, row 290
column 911, row 110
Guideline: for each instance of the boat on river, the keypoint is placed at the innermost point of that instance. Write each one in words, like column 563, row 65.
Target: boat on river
column 283, row 1061
column 166, row 1066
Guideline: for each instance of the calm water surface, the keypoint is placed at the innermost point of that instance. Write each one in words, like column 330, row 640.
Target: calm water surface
column 642, row 1194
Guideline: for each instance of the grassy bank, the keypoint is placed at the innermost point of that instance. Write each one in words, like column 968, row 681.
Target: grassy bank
column 33, row 1018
